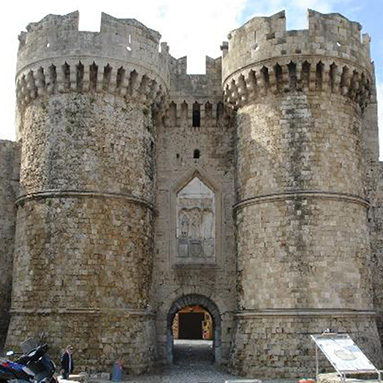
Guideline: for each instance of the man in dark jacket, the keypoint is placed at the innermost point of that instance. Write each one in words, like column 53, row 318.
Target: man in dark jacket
column 67, row 364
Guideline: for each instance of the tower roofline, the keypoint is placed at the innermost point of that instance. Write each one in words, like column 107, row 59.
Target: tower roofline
column 328, row 35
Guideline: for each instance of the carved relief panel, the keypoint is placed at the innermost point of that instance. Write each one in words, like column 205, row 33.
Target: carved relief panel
column 195, row 231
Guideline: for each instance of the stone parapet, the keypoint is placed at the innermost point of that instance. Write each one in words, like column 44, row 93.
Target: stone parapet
column 303, row 74
column 264, row 38
column 123, row 59
column 91, row 75
column 119, row 40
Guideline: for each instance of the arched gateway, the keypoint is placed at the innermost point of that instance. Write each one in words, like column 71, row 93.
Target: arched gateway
column 208, row 305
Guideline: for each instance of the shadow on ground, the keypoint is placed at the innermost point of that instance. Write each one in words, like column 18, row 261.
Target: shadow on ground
column 193, row 352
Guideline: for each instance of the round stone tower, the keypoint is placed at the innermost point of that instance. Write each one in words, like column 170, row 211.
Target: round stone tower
column 87, row 104
column 302, row 237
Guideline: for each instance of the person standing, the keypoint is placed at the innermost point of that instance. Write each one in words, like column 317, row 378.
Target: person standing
column 67, row 364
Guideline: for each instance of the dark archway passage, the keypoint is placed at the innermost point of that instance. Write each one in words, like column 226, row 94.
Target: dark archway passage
column 193, row 322
column 194, row 330
column 190, row 325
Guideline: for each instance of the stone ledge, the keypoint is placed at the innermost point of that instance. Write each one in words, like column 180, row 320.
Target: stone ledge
column 301, row 194
column 251, row 314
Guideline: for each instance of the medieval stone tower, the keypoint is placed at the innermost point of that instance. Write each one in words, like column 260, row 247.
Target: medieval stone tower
column 135, row 190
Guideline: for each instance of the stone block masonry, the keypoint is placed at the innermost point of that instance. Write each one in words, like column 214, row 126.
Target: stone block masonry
column 302, row 231
column 9, row 182
column 84, row 244
column 251, row 193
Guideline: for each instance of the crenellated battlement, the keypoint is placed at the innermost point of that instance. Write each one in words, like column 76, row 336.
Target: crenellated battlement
column 120, row 43
column 285, row 75
column 213, row 67
column 197, row 85
column 265, row 38
column 196, row 99
column 90, row 76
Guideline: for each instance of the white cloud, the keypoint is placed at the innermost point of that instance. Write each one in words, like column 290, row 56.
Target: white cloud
column 296, row 10
column 194, row 28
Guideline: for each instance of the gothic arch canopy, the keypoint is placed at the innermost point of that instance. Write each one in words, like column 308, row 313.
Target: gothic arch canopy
column 195, row 173
column 195, row 219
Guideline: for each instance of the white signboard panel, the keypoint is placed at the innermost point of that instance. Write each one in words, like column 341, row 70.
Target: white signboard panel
column 343, row 353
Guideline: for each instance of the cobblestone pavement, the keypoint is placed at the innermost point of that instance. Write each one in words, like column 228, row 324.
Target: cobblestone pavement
column 193, row 363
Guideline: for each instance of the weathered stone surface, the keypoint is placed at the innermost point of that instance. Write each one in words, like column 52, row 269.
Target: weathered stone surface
column 144, row 190
column 84, row 242
column 303, row 245
column 276, row 344
column 9, row 182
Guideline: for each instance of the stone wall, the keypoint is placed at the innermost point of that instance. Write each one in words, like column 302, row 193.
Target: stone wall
column 276, row 345
column 306, row 243
column 374, row 191
column 371, row 129
column 375, row 219
column 84, row 240
column 176, row 278
column 9, row 179
column 83, row 276
column 100, row 337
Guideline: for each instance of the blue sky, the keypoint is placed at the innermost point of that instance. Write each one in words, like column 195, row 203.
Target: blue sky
column 193, row 28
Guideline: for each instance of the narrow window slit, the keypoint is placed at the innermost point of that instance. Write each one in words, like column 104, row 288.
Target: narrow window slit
column 93, row 76
column 79, row 76
column 66, row 71
column 196, row 115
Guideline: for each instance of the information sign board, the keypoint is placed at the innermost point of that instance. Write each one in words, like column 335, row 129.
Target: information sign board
column 345, row 356
column 343, row 353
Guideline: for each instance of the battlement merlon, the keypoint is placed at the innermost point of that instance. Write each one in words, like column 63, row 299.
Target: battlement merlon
column 266, row 38
column 120, row 42
column 200, row 87
column 213, row 66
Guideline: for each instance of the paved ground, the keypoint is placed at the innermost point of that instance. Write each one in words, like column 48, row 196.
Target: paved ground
column 193, row 363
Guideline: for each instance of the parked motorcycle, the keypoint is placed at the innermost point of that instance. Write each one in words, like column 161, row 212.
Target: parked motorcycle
column 13, row 372
column 32, row 367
